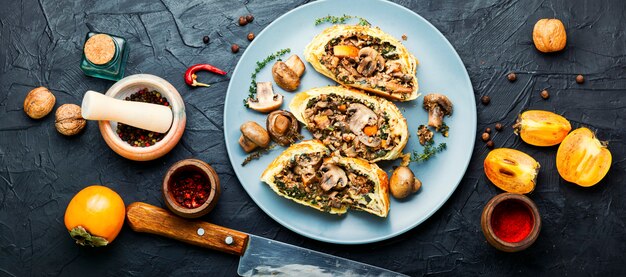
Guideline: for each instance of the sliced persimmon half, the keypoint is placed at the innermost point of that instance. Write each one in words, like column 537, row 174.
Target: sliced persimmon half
column 582, row 159
column 511, row 170
column 542, row 128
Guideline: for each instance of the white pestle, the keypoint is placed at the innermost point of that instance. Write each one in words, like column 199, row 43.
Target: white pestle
column 151, row 117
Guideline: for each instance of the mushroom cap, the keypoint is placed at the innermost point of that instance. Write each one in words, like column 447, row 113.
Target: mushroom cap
column 295, row 63
column 332, row 176
column 253, row 132
column 402, row 182
column 266, row 100
column 289, row 135
column 285, row 77
column 436, row 99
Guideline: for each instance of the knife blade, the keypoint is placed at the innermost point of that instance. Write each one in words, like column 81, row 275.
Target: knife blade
column 258, row 256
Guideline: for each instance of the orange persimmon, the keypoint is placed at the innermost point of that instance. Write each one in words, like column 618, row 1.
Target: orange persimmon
column 95, row 216
column 511, row 170
column 345, row 51
column 542, row 128
column 582, row 159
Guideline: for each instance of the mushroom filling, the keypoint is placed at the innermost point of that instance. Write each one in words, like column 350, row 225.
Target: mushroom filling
column 324, row 184
column 365, row 60
column 350, row 127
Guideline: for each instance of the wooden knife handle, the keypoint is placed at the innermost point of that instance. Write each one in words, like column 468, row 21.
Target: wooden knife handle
column 146, row 218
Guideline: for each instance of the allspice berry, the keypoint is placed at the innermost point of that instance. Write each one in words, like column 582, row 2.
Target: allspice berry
column 242, row 21
column 511, row 77
column 249, row 18
column 485, row 136
column 545, row 94
column 250, row 36
column 490, row 144
column 234, row 48
column 499, row 126
column 69, row 120
column 485, row 100
column 580, row 79
column 39, row 102
column 549, row 35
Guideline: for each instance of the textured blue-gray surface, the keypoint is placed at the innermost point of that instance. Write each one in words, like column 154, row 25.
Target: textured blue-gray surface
column 40, row 170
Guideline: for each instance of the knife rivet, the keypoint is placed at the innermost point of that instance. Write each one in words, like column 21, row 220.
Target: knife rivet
column 228, row 240
column 200, row 232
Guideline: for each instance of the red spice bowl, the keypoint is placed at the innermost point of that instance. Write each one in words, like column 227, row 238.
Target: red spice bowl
column 191, row 188
column 511, row 222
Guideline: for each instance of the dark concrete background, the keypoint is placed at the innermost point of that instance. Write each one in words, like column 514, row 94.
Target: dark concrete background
column 40, row 170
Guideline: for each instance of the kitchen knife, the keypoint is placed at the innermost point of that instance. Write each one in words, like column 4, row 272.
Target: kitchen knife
column 258, row 256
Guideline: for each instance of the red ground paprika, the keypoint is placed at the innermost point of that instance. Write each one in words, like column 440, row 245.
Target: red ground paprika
column 190, row 189
column 512, row 221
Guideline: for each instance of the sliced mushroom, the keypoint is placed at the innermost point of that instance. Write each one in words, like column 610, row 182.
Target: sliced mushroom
column 306, row 167
column 295, row 63
column 287, row 74
column 283, row 127
column 438, row 106
column 333, row 176
column 368, row 61
column 253, row 136
column 266, row 100
column 363, row 116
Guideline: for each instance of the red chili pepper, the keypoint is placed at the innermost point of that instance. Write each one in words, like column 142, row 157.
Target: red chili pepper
column 190, row 74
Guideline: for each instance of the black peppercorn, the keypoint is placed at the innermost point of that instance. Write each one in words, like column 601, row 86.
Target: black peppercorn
column 490, row 144
column 485, row 99
column 250, row 36
column 512, row 77
column 580, row 79
column 498, row 126
column 249, row 18
column 205, row 39
column 242, row 21
column 234, row 48
column 545, row 94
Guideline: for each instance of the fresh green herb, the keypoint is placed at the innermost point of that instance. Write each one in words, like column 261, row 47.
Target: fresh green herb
column 429, row 151
column 260, row 65
column 341, row 20
column 257, row 154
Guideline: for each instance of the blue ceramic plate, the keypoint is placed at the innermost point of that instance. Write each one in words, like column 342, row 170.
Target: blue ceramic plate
column 440, row 70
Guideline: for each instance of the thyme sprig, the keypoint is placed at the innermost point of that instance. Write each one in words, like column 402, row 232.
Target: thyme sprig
column 259, row 66
column 257, row 154
column 341, row 20
column 429, row 151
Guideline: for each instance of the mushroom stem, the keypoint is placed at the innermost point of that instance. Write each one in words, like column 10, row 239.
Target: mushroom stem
column 435, row 118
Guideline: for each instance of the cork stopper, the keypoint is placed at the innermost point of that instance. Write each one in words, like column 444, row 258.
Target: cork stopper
column 100, row 49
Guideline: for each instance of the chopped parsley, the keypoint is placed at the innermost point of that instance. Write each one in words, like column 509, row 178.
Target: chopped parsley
column 259, row 66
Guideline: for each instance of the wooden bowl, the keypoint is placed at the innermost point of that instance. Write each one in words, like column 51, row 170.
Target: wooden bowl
column 196, row 167
column 130, row 85
column 487, row 226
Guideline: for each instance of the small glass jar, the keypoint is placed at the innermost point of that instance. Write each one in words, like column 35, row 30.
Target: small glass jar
column 104, row 56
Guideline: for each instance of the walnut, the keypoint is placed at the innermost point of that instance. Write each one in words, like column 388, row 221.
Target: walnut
column 549, row 35
column 39, row 102
column 69, row 120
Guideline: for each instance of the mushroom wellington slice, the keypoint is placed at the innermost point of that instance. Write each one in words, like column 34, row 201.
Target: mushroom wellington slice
column 365, row 58
column 309, row 174
column 351, row 123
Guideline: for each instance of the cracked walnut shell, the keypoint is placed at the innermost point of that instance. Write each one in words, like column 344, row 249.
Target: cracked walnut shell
column 39, row 102
column 549, row 35
column 69, row 120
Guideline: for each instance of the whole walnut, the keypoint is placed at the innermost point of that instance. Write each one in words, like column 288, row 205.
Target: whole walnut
column 69, row 120
column 549, row 35
column 39, row 102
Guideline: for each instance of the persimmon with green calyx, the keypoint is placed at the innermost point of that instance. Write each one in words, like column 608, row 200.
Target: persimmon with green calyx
column 583, row 159
column 542, row 128
column 511, row 170
column 95, row 216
